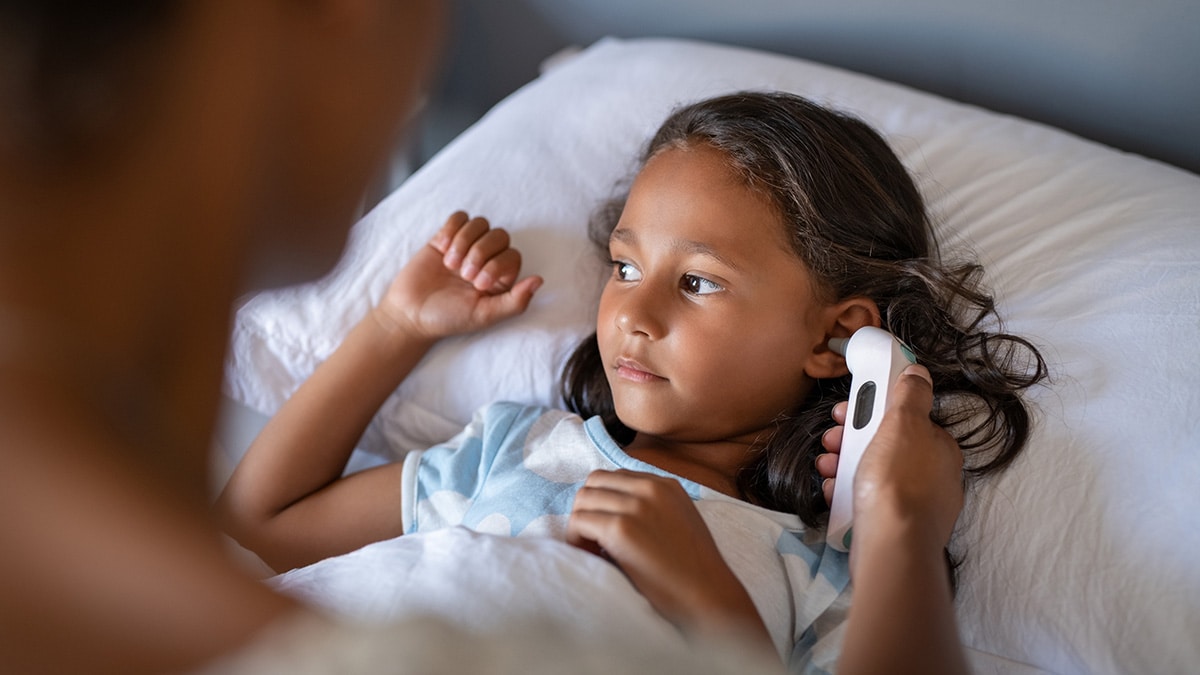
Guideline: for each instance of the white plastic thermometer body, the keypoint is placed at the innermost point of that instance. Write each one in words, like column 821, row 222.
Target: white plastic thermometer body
column 875, row 359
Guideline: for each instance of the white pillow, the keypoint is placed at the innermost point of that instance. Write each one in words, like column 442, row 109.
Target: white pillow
column 1084, row 556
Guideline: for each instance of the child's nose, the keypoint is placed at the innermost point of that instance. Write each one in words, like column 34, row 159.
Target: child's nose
column 641, row 313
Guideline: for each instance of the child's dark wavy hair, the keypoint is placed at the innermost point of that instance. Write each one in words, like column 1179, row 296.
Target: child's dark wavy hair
column 857, row 221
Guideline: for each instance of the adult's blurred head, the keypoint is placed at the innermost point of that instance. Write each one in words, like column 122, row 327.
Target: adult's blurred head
column 279, row 112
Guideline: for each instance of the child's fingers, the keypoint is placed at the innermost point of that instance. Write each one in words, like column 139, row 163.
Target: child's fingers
column 575, row 537
column 633, row 482
column 604, row 500
column 442, row 238
column 589, row 530
column 510, row 303
column 480, row 254
column 460, row 244
column 522, row 293
column 603, row 518
column 491, row 265
column 593, row 514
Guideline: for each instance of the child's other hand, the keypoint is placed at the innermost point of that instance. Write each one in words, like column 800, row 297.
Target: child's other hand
column 649, row 526
column 464, row 280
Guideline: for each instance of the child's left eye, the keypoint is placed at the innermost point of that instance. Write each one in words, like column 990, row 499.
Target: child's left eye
column 698, row 285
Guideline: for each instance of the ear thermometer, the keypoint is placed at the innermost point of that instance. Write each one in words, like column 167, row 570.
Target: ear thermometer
column 875, row 360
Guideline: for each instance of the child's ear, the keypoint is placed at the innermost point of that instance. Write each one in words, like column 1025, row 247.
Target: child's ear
column 841, row 320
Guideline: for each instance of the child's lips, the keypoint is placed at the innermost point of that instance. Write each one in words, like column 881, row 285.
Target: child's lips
column 630, row 369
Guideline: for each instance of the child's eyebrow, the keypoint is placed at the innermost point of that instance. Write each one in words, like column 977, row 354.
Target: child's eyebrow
column 689, row 246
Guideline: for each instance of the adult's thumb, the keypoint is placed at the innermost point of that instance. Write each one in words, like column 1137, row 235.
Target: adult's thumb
column 914, row 390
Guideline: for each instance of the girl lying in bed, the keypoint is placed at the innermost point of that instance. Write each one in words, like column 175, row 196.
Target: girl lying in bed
column 696, row 455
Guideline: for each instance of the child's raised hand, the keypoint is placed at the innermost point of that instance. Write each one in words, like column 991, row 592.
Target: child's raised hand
column 649, row 526
column 463, row 280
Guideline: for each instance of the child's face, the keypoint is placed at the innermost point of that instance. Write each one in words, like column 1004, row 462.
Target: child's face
column 707, row 320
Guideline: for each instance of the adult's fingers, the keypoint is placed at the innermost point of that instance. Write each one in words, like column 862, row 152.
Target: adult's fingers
column 839, row 411
column 831, row 440
column 827, row 465
column 827, row 487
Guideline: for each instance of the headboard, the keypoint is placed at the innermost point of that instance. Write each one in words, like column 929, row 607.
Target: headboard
column 1122, row 72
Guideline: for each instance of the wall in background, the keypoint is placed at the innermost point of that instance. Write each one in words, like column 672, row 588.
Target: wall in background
column 1122, row 72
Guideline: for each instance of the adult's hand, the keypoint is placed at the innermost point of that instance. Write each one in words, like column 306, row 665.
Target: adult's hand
column 908, row 492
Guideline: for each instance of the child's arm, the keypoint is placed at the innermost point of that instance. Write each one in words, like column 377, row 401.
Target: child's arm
column 286, row 500
column 651, row 528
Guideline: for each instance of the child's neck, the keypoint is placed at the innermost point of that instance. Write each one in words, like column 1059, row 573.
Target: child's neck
column 713, row 465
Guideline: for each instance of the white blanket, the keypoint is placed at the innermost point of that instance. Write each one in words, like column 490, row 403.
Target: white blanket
column 483, row 583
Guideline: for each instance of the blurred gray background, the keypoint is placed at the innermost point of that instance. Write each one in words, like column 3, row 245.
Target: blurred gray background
column 1122, row 72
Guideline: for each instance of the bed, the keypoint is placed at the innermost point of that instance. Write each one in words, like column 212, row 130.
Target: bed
column 1083, row 557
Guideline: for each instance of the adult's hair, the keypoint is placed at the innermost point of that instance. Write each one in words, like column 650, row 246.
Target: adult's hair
column 857, row 221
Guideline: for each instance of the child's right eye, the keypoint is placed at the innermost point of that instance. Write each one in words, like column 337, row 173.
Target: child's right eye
column 625, row 272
